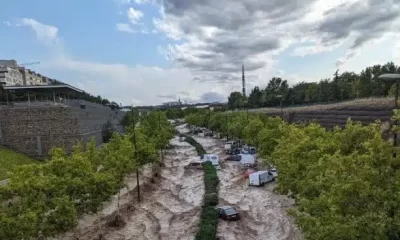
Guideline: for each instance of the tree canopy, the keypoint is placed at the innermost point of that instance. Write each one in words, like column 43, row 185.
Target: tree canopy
column 47, row 199
column 344, row 86
column 346, row 182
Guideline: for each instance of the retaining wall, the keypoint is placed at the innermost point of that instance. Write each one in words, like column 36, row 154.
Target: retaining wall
column 35, row 130
column 365, row 111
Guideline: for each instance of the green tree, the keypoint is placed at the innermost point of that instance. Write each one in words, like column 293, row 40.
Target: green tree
column 236, row 100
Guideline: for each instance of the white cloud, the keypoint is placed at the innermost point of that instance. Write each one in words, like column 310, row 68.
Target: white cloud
column 45, row 33
column 216, row 37
column 141, row 1
column 7, row 23
column 134, row 15
column 123, row 1
column 124, row 27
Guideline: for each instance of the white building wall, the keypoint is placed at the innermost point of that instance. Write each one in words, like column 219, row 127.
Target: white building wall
column 11, row 76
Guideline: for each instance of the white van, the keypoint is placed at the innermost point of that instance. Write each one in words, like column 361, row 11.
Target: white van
column 213, row 158
column 247, row 159
column 228, row 145
column 260, row 178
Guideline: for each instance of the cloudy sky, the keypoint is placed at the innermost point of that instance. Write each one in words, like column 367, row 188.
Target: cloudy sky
column 146, row 52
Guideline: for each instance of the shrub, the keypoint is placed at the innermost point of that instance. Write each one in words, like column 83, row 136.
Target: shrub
column 209, row 218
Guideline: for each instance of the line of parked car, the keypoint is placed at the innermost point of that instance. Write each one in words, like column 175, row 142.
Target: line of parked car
column 238, row 152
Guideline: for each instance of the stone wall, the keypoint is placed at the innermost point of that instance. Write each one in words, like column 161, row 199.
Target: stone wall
column 35, row 130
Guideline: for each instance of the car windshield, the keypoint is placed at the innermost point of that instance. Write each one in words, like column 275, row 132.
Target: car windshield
column 230, row 211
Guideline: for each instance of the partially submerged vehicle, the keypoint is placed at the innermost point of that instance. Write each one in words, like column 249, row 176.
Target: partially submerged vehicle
column 228, row 213
column 212, row 158
column 195, row 165
column 260, row 178
column 247, row 160
column 229, row 145
column 233, row 151
column 235, row 158
column 274, row 172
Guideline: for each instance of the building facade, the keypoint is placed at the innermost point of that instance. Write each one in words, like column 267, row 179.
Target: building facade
column 31, row 78
column 10, row 76
column 14, row 75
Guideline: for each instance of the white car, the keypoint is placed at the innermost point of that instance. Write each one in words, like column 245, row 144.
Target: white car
column 274, row 172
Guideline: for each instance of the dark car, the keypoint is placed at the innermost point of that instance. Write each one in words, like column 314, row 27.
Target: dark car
column 228, row 213
column 252, row 150
column 235, row 158
column 233, row 151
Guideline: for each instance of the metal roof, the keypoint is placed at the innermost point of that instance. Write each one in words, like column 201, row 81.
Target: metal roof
column 41, row 88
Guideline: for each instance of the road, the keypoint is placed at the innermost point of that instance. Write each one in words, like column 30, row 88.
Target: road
column 263, row 212
column 172, row 210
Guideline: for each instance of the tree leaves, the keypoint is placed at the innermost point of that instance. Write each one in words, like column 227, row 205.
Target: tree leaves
column 47, row 199
column 346, row 182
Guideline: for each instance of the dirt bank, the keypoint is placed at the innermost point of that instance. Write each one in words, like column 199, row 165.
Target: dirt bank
column 263, row 211
column 172, row 209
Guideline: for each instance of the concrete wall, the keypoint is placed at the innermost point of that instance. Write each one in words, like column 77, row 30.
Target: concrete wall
column 35, row 130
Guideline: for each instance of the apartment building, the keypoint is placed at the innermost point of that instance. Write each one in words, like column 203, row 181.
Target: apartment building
column 14, row 75
column 11, row 76
column 32, row 78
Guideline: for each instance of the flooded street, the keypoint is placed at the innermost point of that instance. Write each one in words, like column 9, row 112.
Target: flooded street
column 263, row 212
column 172, row 210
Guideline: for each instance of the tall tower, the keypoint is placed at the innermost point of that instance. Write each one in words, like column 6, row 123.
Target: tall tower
column 243, row 82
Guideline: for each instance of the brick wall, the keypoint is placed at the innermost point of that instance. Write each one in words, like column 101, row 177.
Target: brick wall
column 35, row 130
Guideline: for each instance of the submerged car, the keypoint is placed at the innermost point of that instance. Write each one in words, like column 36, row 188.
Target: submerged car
column 228, row 213
column 195, row 165
column 233, row 151
column 235, row 158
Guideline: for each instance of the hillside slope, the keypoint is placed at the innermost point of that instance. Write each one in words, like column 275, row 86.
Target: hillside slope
column 9, row 159
column 329, row 115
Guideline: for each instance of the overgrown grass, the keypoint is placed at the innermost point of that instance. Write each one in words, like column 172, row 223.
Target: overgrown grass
column 208, row 218
column 10, row 159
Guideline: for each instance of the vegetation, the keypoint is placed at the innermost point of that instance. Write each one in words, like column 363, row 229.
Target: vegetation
column 344, row 86
column 208, row 218
column 345, row 182
column 107, row 131
column 10, row 159
column 47, row 199
column 200, row 150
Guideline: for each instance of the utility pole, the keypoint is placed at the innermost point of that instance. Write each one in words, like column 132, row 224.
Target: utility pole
column 226, row 127
column 396, row 106
column 209, row 117
column 135, row 154
column 159, row 128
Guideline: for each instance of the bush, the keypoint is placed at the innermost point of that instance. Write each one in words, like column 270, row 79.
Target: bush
column 211, row 199
column 200, row 150
column 209, row 217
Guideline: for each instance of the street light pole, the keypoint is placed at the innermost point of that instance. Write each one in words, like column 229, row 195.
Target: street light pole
column 395, row 77
column 280, row 104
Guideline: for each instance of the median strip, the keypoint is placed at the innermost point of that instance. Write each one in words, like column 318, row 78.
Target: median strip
column 208, row 218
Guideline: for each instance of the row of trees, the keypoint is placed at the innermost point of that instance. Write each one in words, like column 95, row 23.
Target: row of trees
column 47, row 199
column 346, row 182
column 344, row 86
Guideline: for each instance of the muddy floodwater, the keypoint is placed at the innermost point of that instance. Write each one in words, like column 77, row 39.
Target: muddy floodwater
column 171, row 203
column 172, row 210
column 263, row 212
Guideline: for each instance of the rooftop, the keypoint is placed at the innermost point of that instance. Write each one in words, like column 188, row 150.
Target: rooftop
column 45, row 88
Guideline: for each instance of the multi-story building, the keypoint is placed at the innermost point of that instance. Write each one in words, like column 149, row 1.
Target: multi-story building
column 32, row 78
column 11, row 76
column 9, row 73
column 14, row 75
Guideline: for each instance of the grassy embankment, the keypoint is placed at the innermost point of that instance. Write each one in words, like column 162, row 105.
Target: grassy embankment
column 10, row 159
